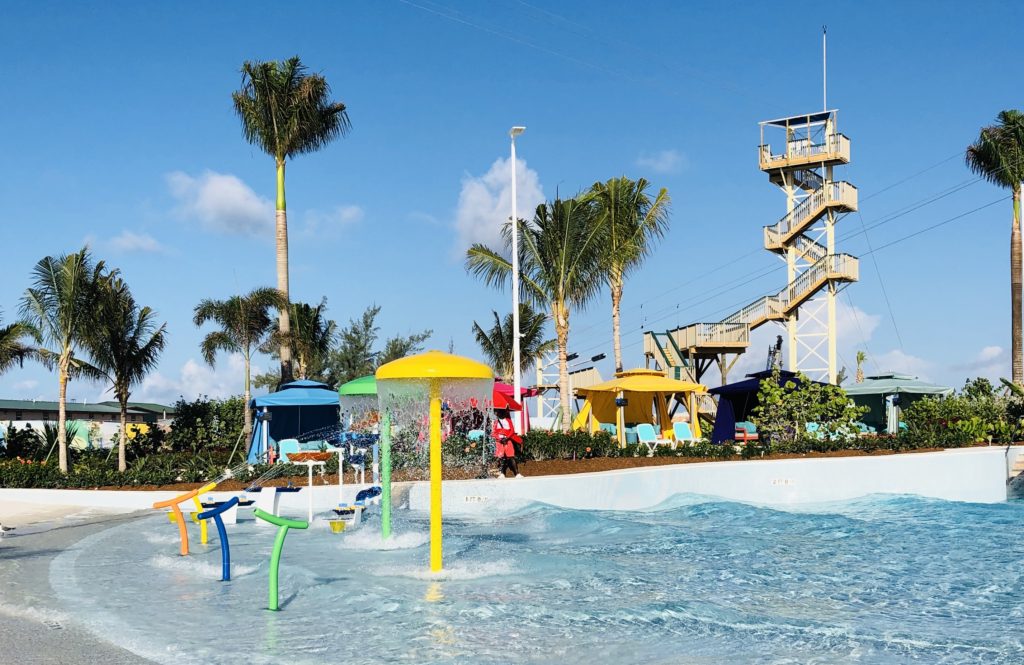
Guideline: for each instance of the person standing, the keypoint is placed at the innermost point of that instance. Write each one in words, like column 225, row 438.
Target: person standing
column 505, row 443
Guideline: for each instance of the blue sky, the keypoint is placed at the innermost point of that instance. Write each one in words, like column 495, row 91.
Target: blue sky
column 119, row 133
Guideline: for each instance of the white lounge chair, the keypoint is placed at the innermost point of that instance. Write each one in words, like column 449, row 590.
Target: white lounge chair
column 648, row 436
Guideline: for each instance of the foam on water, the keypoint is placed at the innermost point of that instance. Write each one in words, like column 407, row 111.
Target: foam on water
column 885, row 579
column 458, row 571
column 369, row 539
column 191, row 565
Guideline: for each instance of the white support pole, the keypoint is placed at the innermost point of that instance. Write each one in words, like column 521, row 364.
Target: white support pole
column 309, row 467
column 516, row 379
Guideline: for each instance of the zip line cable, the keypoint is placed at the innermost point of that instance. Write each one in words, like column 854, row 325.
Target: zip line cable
column 874, row 250
column 884, row 219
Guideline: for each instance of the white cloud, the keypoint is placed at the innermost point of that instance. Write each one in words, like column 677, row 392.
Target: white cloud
column 663, row 161
column 222, row 202
column 991, row 362
column 131, row 242
column 485, row 203
column 194, row 379
column 903, row 363
column 318, row 223
column 26, row 386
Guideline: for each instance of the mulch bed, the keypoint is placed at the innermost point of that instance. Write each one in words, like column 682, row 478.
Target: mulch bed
column 536, row 468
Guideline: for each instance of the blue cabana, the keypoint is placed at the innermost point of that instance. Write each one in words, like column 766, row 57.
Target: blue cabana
column 737, row 400
column 298, row 408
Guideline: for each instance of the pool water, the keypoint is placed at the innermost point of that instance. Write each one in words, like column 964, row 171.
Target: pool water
column 877, row 580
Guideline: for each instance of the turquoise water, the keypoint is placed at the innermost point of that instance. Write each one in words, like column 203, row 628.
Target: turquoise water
column 877, row 580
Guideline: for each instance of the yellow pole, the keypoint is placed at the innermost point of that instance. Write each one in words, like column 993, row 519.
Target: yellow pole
column 203, row 535
column 620, row 423
column 435, row 476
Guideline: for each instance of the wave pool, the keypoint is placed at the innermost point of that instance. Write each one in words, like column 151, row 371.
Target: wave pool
column 877, row 580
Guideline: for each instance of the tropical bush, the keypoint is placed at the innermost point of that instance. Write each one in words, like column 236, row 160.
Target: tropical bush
column 543, row 445
column 784, row 411
column 205, row 424
column 978, row 413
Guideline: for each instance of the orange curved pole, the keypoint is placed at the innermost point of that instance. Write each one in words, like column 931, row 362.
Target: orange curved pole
column 174, row 505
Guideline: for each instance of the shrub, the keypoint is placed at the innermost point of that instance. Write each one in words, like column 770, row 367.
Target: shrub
column 542, row 445
column 784, row 411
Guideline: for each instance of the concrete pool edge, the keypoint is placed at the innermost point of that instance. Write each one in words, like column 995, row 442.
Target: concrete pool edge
column 967, row 474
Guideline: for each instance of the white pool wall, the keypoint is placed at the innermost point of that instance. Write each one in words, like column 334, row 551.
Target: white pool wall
column 971, row 474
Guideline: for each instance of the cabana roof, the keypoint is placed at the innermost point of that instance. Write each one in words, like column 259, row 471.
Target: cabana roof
column 897, row 384
column 643, row 381
column 364, row 385
column 299, row 393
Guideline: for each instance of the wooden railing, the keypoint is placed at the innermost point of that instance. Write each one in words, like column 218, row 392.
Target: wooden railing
column 836, row 194
column 834, row 147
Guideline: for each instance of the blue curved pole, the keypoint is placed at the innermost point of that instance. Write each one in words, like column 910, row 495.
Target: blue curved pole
column 225, row 550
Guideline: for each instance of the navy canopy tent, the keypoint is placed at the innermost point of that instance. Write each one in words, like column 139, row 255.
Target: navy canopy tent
column 298, row 408
column 737, row 400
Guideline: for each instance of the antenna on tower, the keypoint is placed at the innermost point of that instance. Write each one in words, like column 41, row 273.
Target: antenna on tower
column 824, row 69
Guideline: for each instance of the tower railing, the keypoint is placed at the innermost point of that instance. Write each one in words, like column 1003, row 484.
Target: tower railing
column 841, row 194
column 834, row 147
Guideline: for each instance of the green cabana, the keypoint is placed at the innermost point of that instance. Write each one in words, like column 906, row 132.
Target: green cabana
column 358, row 398
column 886, row 395
column 364, row 385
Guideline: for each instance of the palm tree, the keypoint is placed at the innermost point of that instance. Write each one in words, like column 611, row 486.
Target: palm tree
column 998, row 156
column 861, row 358
column 560, row 268
column 496, row 342
column 633, row 221
column 59, row 308
column 286, row 112
column 312, row 337
column 125, row 346
column 12, row 347
column 245, row 325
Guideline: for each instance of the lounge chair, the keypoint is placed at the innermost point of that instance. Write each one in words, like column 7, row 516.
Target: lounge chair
column 608, row 427
column 683, row 434
column 285, row 446
column 746, row 432
column 475, row 434
column 648, row 436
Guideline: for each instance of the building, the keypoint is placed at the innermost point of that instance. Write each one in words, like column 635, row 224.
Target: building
column 95, row 423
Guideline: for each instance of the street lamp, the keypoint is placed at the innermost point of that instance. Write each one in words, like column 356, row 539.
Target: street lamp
column 516, row 381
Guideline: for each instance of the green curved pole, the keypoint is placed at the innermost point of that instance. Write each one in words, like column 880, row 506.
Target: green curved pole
column 283, row 525
column 385, row 476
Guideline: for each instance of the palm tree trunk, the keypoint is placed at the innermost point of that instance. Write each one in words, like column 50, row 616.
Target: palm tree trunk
column 561, row 318
column 62, row 439
column 615, row 287
column 247, row 417
column 285, row 351
column 1016, row 284
column 122, row 442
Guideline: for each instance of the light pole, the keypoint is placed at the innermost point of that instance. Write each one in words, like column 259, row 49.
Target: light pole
column 516, row 380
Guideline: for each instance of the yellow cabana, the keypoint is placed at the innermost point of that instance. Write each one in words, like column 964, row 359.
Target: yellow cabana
column 644, row 392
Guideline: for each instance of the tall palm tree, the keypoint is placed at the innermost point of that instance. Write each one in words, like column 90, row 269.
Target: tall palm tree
column 560, row 268
column 633, row 221
column 286, row 112
column 496, row 342
column 312, row 337
column 125, row 346
column 13, row 348
column 998, row 156
column 861, row 358
column 59, row 308
column 245, row 324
